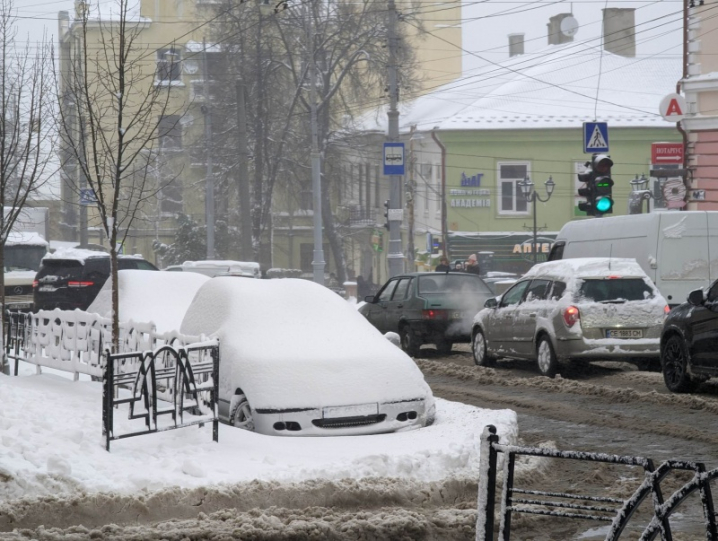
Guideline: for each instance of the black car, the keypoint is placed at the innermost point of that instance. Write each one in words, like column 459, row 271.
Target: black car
column 689, row 341
column 428, row 308
column 74, row 282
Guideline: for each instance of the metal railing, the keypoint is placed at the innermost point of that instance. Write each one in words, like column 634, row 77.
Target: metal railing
column 587, row 507
column 160, row 387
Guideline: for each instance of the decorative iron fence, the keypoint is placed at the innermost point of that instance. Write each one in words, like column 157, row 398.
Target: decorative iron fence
column 160, row 387
column 589, row 507
column 159, row 375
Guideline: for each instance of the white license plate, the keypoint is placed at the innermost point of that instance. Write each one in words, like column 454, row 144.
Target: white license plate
column 624, row 333
column 48, row 289
column 457, row 315
column 22, row 306
column 358, row 410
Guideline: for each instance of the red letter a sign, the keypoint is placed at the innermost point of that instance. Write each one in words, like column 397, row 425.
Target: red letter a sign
column 674, row 108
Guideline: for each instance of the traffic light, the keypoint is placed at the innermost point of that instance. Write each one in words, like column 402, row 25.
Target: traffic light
column 386, row 214
column 588, row 191
column 602, row 184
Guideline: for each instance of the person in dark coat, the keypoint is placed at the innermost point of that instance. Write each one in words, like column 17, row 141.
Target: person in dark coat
column 472, row 264
column 443, row 265
column 363, row 288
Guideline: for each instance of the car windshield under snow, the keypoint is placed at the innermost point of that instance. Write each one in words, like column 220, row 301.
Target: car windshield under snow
column 452, row 283
column 615, row 290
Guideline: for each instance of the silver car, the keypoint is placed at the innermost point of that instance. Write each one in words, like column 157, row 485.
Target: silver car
column 589, row 308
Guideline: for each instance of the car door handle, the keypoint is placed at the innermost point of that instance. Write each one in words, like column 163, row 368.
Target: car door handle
column 533, row 314
column 400, row 306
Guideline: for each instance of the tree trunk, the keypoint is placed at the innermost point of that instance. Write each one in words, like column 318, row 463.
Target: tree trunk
column 115, row 292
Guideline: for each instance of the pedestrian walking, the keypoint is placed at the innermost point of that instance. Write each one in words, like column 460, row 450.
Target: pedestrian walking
column 443, row 265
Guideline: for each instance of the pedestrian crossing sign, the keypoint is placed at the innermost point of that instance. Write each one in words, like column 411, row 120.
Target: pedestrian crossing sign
column 595, row 137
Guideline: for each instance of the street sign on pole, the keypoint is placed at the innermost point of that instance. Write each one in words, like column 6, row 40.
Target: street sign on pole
column 393, row 159
column 595, row 137
column 667, row 153
column 87, row 196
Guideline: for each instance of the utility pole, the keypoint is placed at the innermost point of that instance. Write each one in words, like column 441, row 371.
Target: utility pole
column 410, row 200
column 395, row 255
column 209, row 184
column 245, row 219
column 318, row 262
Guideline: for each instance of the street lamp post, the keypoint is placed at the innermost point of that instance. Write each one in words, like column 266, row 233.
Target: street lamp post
column 527, row 188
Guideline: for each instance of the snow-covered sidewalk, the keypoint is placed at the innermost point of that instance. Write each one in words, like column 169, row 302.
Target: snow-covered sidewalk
column 51, row 444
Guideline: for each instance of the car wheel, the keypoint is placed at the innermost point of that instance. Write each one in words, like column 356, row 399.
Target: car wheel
column 546, row 357
column 409, row 342
column 444, row 346
column 241, row 417
column 675, row 360
column 478, row 348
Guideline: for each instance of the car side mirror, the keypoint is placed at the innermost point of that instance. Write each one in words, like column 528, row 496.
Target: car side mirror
column 369, row 299
column 491, row 303
column 696, row 297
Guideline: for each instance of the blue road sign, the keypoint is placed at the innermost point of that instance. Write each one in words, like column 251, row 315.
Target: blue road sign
column 595, row 137
column 393, row 159
column 87, row 196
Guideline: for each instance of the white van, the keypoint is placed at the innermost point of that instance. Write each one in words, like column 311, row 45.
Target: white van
column 678, row 250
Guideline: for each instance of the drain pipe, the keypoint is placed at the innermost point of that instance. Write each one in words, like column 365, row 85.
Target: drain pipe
column 444, row 229
column 678, row 91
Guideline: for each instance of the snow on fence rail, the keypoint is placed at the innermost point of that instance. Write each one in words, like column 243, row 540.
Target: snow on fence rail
column 588, row 507
column 74, row 341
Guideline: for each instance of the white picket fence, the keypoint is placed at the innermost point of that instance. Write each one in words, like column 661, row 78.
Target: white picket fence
column 74, row 341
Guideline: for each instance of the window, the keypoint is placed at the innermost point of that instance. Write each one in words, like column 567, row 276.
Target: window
column 538, row 290
column 615, row 290
column 170, row 132
column 385, row 293
column 169, row 66
column 401, row 289
column 514, row 295
column 512, row 200
column 558, row 290
column 170, row 197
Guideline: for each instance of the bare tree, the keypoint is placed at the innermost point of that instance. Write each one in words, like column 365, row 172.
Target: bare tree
column 271, row 54
column 117, row 110
column 26, row 141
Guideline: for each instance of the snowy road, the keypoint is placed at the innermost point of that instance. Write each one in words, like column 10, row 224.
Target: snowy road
column 606, row 408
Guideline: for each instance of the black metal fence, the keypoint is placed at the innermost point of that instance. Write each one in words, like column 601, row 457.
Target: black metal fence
column 17, row 331
column 165, row 389
column 616, row 511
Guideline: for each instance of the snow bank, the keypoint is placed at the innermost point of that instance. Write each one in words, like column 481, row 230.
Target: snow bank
column 51, row 445
column 161, row 298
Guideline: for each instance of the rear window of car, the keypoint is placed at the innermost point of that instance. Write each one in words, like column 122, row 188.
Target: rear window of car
column 615, row 290
column 448, row 283
column 61, row 267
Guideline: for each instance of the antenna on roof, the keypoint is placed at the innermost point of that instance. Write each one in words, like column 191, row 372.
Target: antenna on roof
column 610, row 252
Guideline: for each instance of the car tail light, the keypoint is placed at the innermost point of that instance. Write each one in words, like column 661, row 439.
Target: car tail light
column 666, row 309
column 80, row 284
column 34, row 283
column 571, row 315
column 434, row 314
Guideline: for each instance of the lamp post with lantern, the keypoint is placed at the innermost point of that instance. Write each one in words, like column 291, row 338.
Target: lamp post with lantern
column 531, row 195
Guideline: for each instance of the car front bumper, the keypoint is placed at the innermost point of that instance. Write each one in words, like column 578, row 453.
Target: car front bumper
column 607, row 349
column 388, row 417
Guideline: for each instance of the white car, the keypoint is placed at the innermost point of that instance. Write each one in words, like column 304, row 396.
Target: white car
column 589, row 308
column 298, row 360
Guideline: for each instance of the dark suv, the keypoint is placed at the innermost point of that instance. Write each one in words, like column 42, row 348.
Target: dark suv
column 689, row 342
column 74, row 282
column 428, row 308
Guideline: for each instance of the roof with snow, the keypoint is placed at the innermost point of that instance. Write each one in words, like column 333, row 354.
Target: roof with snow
column 561, row 86
column 25, row 238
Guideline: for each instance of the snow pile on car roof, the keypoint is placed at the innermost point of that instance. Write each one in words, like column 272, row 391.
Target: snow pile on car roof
column 587, row 267
column 150, row 296
column 25, row 238
column 301, row 344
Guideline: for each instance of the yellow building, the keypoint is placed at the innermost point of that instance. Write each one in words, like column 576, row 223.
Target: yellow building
column 168, row 53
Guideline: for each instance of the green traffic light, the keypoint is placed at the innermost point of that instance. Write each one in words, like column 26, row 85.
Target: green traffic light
column 604, row 204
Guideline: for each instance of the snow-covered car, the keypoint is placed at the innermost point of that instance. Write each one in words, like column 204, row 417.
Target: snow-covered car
column 590, row 308
column 298, row 360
